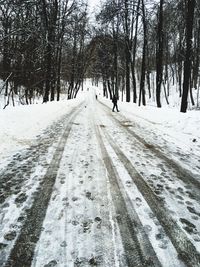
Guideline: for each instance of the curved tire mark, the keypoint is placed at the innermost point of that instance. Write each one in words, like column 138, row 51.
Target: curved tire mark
column 182, row 173
column 136, row 254
column 186, row 250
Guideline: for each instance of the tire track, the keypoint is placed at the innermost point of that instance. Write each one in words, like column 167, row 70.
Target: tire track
column 23, row 250
column 182, row 173
column 137, row 254
column 185, row 249
column 22, row 165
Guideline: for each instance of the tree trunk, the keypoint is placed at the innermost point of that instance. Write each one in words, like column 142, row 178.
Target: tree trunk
column 148, row 83
column 48, row 72
column 109, row 89
column 134, row 55
column 197, row 55
column 159, row 55
column 187, row 64
column 115, row 56
column 50, row 23
column 105, row 91
column 127, row 52
column 59, row 74
column 143, row 70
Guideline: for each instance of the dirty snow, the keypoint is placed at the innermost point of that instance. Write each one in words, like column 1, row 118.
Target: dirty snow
column 80, row 224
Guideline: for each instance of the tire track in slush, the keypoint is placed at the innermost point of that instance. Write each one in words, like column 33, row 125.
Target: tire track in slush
column 184, row 247
column 136, row 255
column 22, row 253
column 19, row 170
column 181, row 172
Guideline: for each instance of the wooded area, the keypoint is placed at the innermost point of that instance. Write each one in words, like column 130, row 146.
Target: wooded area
column 136, row 48
column 43, row 44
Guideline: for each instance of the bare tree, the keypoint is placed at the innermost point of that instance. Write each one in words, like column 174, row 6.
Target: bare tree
column 159, row 54
column 190, row 5
column 143, row 67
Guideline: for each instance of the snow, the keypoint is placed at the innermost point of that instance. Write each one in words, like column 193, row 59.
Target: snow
column 81, row 225
column 21, row 125
column 166, row 127
column 148, row 221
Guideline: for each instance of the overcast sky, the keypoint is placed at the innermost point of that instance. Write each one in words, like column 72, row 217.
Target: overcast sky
column 93, row 4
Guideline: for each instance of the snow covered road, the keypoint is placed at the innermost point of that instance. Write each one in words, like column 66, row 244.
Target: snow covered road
column 92, row 191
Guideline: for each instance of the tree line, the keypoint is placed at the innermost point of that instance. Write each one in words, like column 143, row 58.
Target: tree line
column 144, row 47
column 43, row 48
column 138, row 49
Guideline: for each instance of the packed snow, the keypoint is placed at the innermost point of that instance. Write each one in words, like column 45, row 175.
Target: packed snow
column 81, row 226
column 20, row 124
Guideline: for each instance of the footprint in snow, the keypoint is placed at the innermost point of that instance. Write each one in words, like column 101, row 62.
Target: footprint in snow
column 87, row 225
column 197, row 238
column 10, row 236
column 154, row 176
column 188, row 186
column 157, row 191
column 181, row 190
column 179, row 197
column 80, row 262
column 160, row 186
column 188, row 226
column 192, row 210
column 162, row 241
column 51, row 264
column 21, row 218
column 171, row 191
column 75, row 199
column 163, row 245
column 196, row 218
column 128, row 183
column 147, row 228
column 98, row 220
column 190, row 195
column 168, row 187
column 89, row 195
column 63, row 244
column 5, row 205
column 75, row 223
column 138, row 201
column 21, row 198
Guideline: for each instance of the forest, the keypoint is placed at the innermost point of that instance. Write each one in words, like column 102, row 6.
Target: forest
column 137, row 49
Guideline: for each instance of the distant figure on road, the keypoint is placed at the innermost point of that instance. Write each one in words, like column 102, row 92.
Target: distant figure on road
column 96, row 97
column 114, row 100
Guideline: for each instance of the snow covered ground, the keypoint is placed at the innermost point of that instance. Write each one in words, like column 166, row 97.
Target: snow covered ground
column 167, row 127
column 21, row 124
column 98, row 184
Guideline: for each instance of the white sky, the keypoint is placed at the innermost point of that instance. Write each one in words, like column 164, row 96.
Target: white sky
column 93, row 4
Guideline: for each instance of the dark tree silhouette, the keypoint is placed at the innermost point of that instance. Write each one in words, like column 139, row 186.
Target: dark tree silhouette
column 188, row 56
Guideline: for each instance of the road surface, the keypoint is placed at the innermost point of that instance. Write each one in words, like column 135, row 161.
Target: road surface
column 92, row 191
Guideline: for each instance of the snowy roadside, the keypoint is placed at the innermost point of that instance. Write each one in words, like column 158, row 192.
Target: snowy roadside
column 175, row 133
column 21, row 125
column 184, row 128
